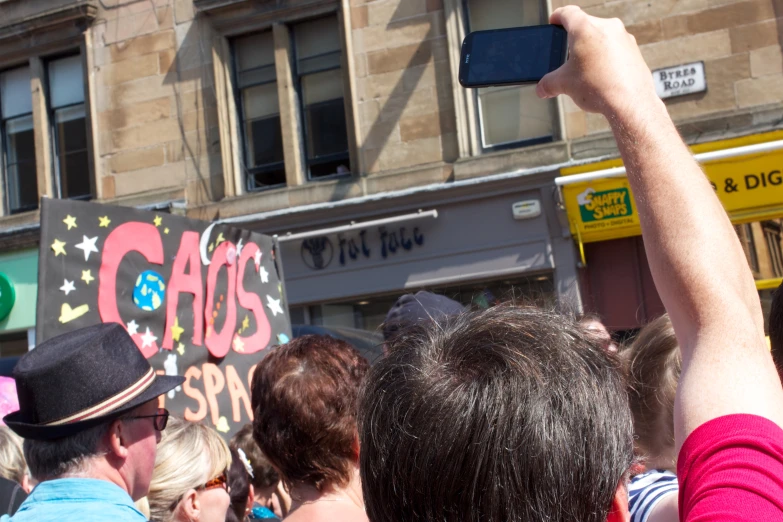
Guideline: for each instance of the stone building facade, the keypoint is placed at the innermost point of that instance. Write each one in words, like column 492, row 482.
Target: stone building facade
column 280, row 113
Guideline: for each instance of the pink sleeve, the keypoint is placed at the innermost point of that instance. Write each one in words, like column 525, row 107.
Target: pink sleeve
column 731, row 469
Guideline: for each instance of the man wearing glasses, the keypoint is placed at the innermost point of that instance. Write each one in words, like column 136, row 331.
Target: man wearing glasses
column 91, row 423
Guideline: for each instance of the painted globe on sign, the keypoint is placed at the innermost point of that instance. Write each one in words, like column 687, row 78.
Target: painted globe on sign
column 149, row 291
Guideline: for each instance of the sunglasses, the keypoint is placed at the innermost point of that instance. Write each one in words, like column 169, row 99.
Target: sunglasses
column 221, row 481
column 161, row 419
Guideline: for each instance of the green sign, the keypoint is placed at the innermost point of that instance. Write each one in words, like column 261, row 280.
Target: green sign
column 7, row 296
column 609, row 204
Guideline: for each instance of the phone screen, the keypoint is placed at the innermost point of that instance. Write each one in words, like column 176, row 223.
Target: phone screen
column 510, row 55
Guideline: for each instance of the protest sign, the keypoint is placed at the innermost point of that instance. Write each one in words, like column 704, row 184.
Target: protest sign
column 200, row 300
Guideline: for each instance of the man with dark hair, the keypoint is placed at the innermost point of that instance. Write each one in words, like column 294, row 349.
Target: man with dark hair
column 418, row 309
column 91, row 423
column 776, row 329
column 516, row 414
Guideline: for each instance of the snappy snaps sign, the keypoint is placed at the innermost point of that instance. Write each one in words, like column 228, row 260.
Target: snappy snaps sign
column 200, row 300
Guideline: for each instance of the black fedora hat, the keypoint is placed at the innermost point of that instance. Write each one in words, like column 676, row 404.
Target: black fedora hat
column 80, row 379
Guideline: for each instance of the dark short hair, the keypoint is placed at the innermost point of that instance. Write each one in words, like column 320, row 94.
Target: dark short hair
column 49, row 459
column 304, row 398
column 239, row 485
column 776, row 329
column 264, row 475
column 510, row 413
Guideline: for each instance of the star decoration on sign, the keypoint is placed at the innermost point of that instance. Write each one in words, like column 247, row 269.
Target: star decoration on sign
column 147, row 339
column 87, row 276
column 58, row 247
column 257, row 258
column 211, row 247
column 246, row 323
column 176, row 330
column 274, row 305
column 103, row 222
column 67, row 287
column 239, row 346
column 240, row 246
column 220, row 238
column 158, row 220
column 133, row 328
column 166, row 230
column 88, row 245
column 181, row 349
column 264, row 275
column 70, row 221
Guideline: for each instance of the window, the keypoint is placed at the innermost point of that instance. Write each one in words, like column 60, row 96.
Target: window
column 772, row 237
column 69, row 174
column 745, row 234
column 69, row 123
column 509, row 116
column 13, row 345
column 16, row 105
column 370, row 313
column 320, row 84
column 260, row 111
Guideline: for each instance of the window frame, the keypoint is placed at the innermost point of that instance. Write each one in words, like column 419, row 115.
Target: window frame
column 4, row 147
column 772, row 236
column 247, row 171
column 52, row 130
column 473, row 98
column 297, row 77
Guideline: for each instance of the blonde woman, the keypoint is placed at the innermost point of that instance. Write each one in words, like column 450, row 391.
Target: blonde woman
column 12, row 463
column 189, row 483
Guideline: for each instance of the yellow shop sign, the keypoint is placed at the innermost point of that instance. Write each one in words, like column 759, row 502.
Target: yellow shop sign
column 601, row 209
column 750, row 188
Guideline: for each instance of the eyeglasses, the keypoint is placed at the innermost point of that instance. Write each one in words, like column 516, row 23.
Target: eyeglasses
column 161, row 418
column 221, row 481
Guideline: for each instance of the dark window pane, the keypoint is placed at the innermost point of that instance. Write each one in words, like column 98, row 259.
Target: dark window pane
column 72, row 135
column 71, row 152
column 75, row 175
column 23, row 186
column 268, row 178
column 265, row 142
column 330, row 168
column 22, row 182
column 21, row 142
column 326, row 130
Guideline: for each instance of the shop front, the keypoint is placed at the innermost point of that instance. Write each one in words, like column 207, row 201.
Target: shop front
column 18, row 295
column 747, row 175
column 478, row 246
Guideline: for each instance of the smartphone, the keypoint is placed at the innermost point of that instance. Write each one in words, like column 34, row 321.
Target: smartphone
column 518, row 55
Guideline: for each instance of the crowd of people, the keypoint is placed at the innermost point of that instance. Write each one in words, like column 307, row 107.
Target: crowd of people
column 509, row 413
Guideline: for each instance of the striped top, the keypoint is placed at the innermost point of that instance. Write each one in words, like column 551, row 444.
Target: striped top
column 647, row 489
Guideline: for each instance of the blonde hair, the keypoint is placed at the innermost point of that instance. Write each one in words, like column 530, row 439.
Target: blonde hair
column 653, row 364
column 189, row 455
column 143, row 506
column 12, row 463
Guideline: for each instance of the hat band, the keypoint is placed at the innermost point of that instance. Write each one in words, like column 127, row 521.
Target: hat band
column 112, row 403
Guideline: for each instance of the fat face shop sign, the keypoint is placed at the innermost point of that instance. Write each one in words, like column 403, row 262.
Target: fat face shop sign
column 380, row 244
column 680, row 80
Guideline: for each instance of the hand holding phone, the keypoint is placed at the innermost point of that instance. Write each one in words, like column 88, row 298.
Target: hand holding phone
column 520, row 55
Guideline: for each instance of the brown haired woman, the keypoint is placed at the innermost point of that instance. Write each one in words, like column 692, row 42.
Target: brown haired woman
column 653, row 365
column 305, row 406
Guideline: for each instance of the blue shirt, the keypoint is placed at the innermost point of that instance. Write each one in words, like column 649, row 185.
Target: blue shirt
column 77, row 499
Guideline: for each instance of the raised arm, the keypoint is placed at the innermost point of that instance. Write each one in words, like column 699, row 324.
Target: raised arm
column 696, row 260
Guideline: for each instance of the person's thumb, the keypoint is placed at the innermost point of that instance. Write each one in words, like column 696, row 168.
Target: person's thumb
column 552, row 84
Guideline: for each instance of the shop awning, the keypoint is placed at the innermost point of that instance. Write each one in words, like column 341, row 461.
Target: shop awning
column 746, row 173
